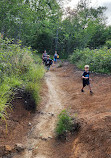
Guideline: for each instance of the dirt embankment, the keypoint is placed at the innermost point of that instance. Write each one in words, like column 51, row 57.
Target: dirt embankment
column 62, row 90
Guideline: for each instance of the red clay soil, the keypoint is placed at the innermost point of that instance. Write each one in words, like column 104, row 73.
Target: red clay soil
column 17, row 124
column 92, row 111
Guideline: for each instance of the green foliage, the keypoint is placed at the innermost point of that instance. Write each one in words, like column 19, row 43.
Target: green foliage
column 64, row 123
column 39, row 24
column 37, row 57
column 29, row 21
column 98, row 59
column 18, row 69
column 83, row 27
column 32, row 80
column 108, row 43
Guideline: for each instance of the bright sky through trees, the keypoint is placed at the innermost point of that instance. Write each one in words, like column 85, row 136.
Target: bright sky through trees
column 94, row 3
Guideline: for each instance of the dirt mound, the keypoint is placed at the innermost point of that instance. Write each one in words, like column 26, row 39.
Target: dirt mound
column 17, row 124
column 94, row 140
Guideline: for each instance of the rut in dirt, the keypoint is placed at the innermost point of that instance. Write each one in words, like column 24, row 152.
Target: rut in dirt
column 43, row 130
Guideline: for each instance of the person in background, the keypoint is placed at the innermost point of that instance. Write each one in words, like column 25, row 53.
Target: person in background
column 48, row 62
column 55, row 57
column 44, row 56
column 86, row 79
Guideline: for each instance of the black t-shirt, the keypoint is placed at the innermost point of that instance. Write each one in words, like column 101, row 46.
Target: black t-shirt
column 48, row 62
column 86, row 74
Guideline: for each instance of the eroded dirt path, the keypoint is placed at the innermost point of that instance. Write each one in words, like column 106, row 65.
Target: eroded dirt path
column 43, row 131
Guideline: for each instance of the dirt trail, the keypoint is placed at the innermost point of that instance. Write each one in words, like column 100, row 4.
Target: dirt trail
column 62, row 90
column 43, row 130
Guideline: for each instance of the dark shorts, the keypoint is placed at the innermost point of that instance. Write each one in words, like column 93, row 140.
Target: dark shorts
column 44, row 60
column 85, row 83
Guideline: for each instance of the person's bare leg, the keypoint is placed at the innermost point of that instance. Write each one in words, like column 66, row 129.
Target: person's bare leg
column 90, row 89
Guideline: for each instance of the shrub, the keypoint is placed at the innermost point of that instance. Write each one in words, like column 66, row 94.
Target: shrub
column 18, row 68
column 98, row 59
column 65, row 124
column 108, row 44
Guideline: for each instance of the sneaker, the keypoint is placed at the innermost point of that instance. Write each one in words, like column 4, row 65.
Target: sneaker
column 82, row 90
column 91, row 92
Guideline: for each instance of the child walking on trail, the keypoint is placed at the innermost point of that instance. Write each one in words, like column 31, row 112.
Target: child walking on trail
column 48, row 62
column 86, row 79
column 55, row 57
